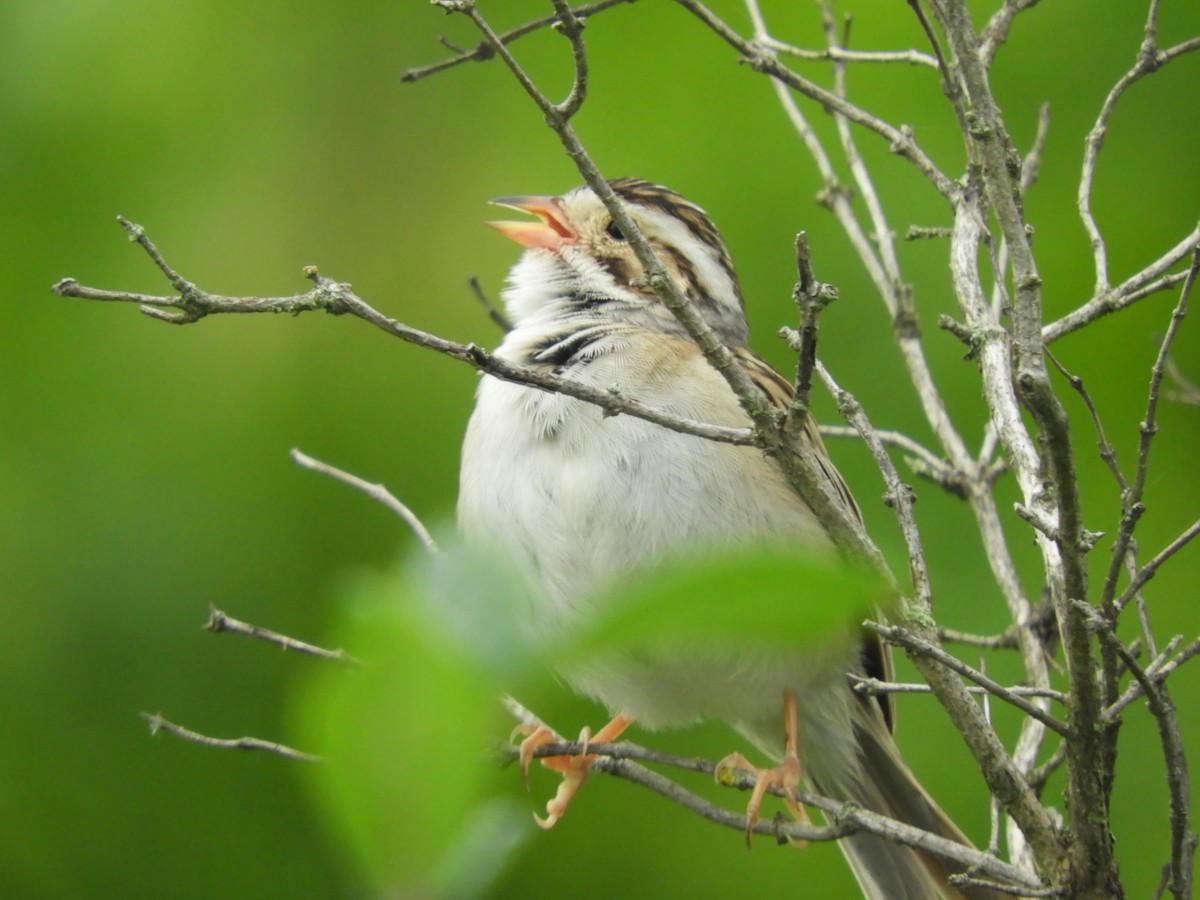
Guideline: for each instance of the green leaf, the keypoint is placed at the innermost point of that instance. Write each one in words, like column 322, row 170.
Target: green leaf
column 406, row 738
column 767, row 597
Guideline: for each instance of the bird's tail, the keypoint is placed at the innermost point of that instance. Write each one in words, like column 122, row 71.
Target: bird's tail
column 886, row 870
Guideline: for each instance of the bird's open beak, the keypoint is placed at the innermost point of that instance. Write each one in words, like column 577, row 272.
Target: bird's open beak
column 551, row 233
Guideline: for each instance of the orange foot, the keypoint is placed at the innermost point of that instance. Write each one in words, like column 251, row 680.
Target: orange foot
column 574, row 769
column 785, row 777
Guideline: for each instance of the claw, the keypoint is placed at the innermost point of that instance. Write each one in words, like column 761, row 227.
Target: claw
column 574, row 769
column 785, row 777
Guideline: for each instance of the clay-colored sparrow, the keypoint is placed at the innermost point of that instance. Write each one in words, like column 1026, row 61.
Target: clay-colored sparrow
column 577, row 499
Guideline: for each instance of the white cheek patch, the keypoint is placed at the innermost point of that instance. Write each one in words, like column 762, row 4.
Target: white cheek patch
column 713, row 276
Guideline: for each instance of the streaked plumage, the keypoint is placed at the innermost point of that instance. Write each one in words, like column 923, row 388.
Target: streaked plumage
column 578, row 498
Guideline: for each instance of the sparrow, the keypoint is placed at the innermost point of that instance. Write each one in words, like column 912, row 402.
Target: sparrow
column 577, row 499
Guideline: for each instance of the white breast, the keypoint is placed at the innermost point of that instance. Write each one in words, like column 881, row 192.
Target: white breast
column 578, row 499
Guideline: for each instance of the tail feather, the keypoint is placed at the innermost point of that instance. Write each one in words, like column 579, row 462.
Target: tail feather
column 884, row 869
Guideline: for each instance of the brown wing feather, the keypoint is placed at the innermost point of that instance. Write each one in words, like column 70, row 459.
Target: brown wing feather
column 876, row 659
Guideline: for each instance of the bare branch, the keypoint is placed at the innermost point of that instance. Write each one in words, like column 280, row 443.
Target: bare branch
column 484, row 51
column 1039, row 776
column 220, row 622
column 918, row 647
column 1011, row 359
column 1157, row 671
column 376, row 492
column 872, row 687
column 1149, row 59
column 493, row 312
column 1145, row 283
column 995, row 33
column 1183, row 841
column 1107, row 452
column 617, row 760
column 811, row 298
column 899, row 495
column 1146, row 572
column 840, row 54
column 337, row 298
column 762, row 59
column 158, row 723
column 1131, row 498
column 1005, row 641
column 571, row 26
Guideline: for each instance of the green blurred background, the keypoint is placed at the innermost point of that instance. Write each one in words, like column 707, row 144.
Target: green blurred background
column 143, row 468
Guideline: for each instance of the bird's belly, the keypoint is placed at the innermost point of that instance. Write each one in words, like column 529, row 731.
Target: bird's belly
column 579, row 500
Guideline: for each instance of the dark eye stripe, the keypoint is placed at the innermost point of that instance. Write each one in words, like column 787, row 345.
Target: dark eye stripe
column 655, row 196
column 618, row 267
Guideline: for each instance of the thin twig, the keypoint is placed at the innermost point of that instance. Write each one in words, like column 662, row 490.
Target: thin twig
column 874, row 687
column 483, row 51
column 158, row 723
column 1107, row 452
column 1131, row 498
column 811, row 297
column 1041, row 774
column 762, row 59
column 1183, row 841
column 995, row 32
column 1004, row 641
column 219, row 622
column 1157, row 670
column 1150, row 280
column 493, row 312
column 571, row 26
column 903, row 638
column 923, row 461
column 899, row 495
column 1146, row 572
column 375, row 491
column 840, row 54
column 1149, row 59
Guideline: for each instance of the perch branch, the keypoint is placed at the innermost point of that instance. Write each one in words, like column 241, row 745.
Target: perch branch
column 337, row 298
column 618, row 760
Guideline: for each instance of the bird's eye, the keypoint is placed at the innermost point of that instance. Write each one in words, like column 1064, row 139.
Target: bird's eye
column 614, row 231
